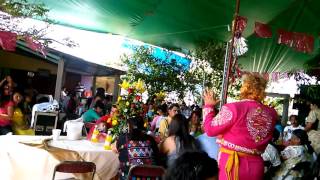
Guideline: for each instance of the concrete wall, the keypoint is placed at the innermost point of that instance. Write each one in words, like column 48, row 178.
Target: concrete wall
column 107, row 83
column 15, row 61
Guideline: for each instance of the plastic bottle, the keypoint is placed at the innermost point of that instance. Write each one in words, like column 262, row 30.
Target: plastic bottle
column 108, row 140
column 94, row 137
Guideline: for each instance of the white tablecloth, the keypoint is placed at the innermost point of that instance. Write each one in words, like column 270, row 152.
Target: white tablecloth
column 23, row 162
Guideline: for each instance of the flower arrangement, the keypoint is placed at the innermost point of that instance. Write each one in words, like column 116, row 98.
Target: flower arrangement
column 128, row 105
column 160, row 96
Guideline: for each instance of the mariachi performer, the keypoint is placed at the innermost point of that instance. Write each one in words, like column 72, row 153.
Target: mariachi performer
column 244, row 129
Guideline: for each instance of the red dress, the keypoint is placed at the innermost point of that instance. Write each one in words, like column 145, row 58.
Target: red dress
column 101, row 137
column 4, row 110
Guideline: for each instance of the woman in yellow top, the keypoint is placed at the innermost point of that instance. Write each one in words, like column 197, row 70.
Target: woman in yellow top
column 164, row 124
column 19, row 124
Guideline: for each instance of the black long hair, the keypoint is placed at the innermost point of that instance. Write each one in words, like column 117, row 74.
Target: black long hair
column 179, row 127
column 193, row 165
column 304, row 140
column 4, row 98
column 20, row 105
column 135, row 128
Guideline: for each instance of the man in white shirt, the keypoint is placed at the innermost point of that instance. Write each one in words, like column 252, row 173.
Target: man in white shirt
column 287, row 132
column 79, row 89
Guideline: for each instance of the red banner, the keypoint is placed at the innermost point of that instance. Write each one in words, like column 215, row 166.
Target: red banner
column 303, row 42
column 241, row 24
column 8, row 40
column 262, row 30
column 285, row 37
column 35, row 46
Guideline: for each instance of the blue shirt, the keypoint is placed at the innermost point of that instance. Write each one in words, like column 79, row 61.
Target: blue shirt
column 209, row 145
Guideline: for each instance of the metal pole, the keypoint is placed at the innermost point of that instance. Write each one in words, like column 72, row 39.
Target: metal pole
column 229, row 59
column 59, row 79
column 116, row 89
column 225, row 74
column 203, row 84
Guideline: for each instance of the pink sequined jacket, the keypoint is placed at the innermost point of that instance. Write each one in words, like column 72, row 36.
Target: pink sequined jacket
column 245, row 126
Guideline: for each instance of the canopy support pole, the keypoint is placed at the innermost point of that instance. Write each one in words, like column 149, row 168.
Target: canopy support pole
column 116, row 89
column 229, row 58
column 203, row 85
column 59, row 79
column 224, row 87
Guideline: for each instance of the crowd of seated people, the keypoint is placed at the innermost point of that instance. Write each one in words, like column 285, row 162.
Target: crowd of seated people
column 172, row 137
column 136, row 147
column 291, row 155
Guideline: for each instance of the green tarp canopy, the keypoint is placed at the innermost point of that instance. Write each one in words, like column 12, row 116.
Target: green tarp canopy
column 182, row 24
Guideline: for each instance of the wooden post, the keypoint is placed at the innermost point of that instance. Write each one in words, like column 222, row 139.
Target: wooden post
column 59, row 79
column 116, row 89
column 229, row 60
column 224, row 87
column 94, row 86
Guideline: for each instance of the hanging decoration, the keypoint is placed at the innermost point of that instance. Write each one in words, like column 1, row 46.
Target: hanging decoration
column 241, row 24
column 8, row 40
column 285, row 37
column 274, row 76
column 303, row 42
column 262, row 30
column 35, row 46
column 240, row 45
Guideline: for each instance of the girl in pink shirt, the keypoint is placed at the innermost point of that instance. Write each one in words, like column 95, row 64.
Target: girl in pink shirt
column 6, row 111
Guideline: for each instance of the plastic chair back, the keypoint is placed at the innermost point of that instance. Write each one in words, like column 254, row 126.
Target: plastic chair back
column 146, row 172
column 75, row 167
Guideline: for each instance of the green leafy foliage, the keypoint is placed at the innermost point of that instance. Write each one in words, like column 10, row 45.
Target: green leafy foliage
column 23, row 8
column 165, row 75
column 208, row 66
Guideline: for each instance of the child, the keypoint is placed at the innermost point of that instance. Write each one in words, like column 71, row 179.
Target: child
column 289, row 129
column 102, row 127
column 104, row 123
column 299, row 150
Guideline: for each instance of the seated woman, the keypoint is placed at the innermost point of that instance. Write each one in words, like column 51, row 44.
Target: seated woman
column 313, row 125
column 299, row 150
column 179, row 139
column 136, row 147
column 71, row 108
column 6, row 111
column 94, row 113
column 271, row 156
column 19, row 124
